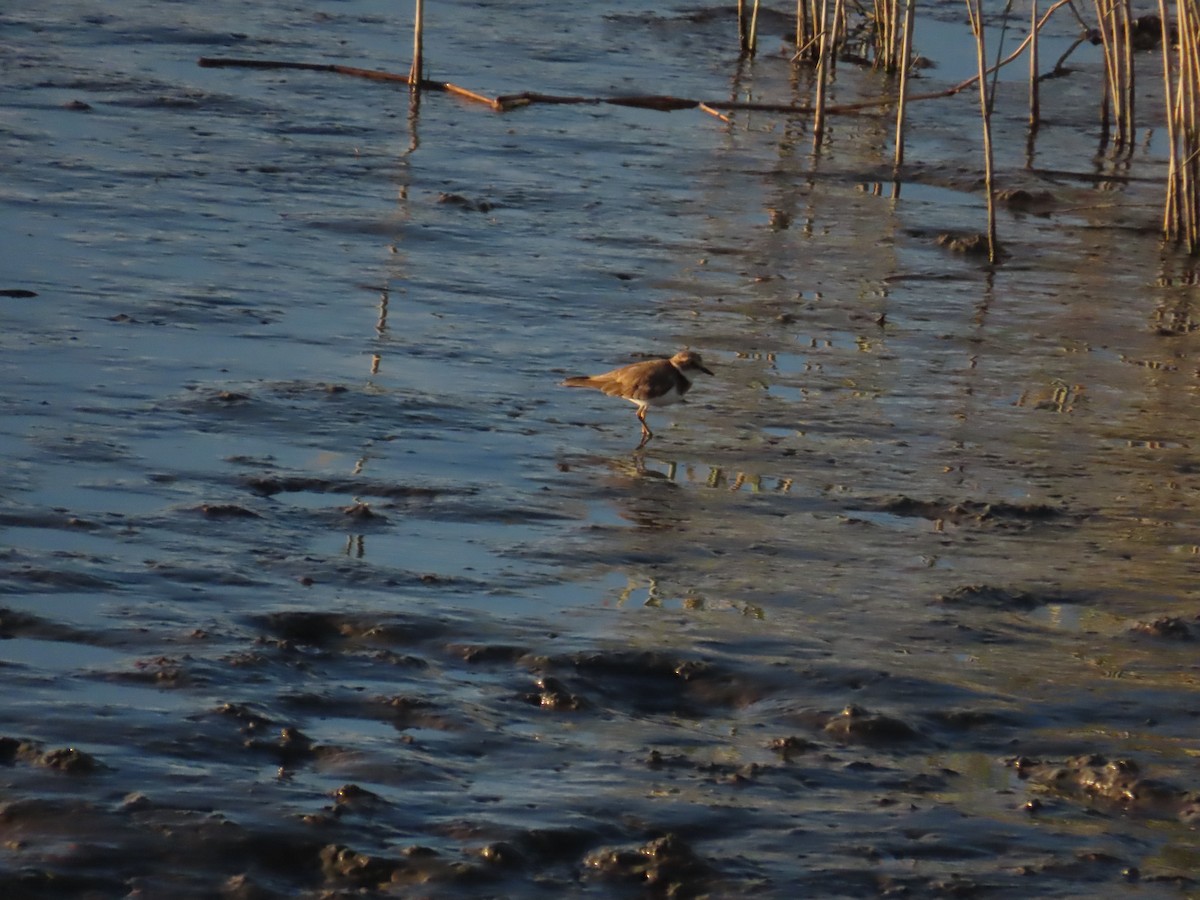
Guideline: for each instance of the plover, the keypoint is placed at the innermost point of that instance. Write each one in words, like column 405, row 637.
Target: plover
column 655, row 382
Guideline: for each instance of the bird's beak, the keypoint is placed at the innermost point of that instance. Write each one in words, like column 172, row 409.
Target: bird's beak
column 704, row 370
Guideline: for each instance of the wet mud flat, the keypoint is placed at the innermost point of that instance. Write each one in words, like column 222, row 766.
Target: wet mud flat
column 456, row 756
column 314, row 583
column 660, row 742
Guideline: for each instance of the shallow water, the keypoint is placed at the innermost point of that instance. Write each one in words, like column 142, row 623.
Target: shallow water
column 315, row 581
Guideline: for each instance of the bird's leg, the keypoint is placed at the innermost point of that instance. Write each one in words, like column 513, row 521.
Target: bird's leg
column 646, row 432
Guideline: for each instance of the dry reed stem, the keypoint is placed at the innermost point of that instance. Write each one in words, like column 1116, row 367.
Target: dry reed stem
column 747, row 28
column 807, row 33
column 1181, row 213
column 976, row 16
column 1171, row 212
column 416, row 74
column 1109, row 100
column 822, row 76
column 1116, row 35
column 883, row 33
column 1035, row 107
column 1128, row 83
column 837, row 38
column 894, row 58
column 1189, row 123
column 902, row 105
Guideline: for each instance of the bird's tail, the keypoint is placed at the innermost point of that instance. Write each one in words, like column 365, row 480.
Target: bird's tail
column 577, row 381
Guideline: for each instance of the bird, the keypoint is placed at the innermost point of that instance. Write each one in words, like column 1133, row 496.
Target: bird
column 653, row 382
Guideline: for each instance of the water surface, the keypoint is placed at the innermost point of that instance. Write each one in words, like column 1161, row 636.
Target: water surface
column 314, row 580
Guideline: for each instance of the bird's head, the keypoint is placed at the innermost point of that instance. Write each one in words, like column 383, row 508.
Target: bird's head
column 689, row 361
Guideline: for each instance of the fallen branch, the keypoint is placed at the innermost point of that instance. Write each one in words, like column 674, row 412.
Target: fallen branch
column 372, row 74
column 661, row 103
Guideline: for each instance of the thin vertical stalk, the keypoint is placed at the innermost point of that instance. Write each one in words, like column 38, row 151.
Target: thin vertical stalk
column 999, row 52
column 1189, row 120
column 1109, row 105
column 822, row 74
column 889, row 35
column 417, row 73
column 1116, row 64
column 1035, row 104
column 752, row 38
column 1127, row 83
column 902, row 106
column 838, row 36
column 976, row 16
column 879, row 33
column 1116, row 33
column 807, row 28
column 1172, row 222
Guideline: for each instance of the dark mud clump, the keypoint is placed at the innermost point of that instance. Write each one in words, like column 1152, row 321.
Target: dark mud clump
column 973, row 244
column 1023, row 200
column 362, row 512
column 344, row 867
column 553, row 694
column 851, row 725
column 656, row 681
column 1002, row 598
column 226, row 511
column 465, row 203
column 64, row 759
column 664, row 867
column 996, row 514
column 270, row 485
column 1111, row 782
column 1167, row 627
column 855, row 724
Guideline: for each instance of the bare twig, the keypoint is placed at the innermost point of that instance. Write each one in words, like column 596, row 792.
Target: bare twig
column 704, row 107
